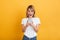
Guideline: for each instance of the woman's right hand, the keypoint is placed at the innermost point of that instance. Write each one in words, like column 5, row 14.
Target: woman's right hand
column 25, row 26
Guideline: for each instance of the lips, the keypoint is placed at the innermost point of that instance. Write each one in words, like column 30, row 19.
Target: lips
column 30, row 14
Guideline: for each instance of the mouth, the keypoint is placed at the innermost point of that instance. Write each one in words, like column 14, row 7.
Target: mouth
column 30, row 14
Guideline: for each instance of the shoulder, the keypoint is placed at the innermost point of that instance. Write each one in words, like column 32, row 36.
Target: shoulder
column 37, row 20
column 24, row 18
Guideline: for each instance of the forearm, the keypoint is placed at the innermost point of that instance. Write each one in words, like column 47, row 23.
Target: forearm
column 35, row 28
column 24, row 28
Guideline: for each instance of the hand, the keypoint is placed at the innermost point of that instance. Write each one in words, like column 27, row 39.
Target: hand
column 31, row 24
column 27, row 24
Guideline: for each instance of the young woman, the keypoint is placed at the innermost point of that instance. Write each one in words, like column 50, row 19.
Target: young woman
column 30, row 24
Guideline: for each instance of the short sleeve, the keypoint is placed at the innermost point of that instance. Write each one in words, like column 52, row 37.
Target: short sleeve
column 22, row 22
column 38, row 21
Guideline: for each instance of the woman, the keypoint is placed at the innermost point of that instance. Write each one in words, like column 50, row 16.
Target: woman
column 30, row 24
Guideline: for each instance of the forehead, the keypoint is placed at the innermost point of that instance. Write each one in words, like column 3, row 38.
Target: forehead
column 31, row 9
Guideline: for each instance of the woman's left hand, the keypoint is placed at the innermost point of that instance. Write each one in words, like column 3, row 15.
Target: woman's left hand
column 32, row 24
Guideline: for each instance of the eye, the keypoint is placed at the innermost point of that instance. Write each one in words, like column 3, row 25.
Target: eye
column 28, row 10
column 32, row 10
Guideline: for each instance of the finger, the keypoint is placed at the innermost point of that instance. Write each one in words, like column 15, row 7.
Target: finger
column 32, row 22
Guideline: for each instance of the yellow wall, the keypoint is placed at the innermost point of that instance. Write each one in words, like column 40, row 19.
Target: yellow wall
column 12, row 11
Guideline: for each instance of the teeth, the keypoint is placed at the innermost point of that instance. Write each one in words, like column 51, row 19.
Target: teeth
column 29, row 14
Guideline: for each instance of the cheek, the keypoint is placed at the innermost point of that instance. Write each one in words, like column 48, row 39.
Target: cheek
column 28, row 12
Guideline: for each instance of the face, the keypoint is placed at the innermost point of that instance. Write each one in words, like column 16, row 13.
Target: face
column 30, row 12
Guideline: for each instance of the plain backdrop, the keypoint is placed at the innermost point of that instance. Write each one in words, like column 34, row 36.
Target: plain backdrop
column 12, row 12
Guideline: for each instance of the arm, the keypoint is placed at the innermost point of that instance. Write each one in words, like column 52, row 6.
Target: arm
column 24, row 27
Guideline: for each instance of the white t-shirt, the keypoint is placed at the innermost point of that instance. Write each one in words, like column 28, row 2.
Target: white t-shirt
column 30, row 32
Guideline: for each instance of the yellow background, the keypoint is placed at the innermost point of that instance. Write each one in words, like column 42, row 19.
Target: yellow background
column 12, row 12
